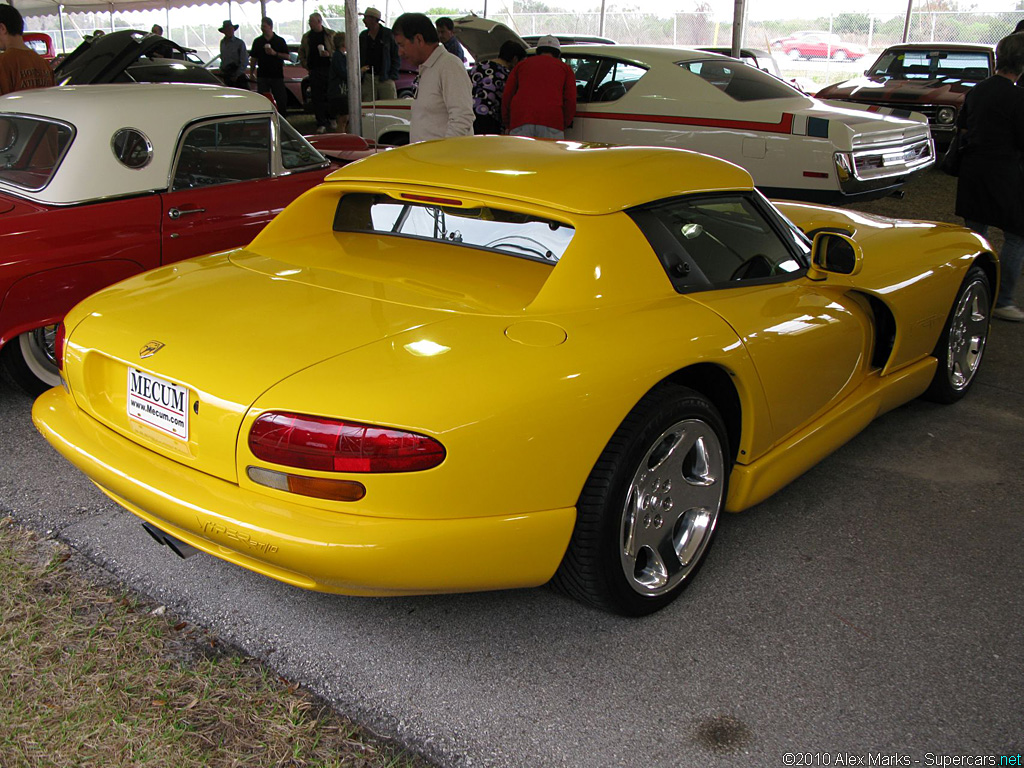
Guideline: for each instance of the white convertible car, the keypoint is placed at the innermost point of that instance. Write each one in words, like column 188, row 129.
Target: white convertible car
column 794, row 146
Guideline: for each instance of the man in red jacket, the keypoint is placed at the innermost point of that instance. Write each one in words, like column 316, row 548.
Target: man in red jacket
column 540, row 94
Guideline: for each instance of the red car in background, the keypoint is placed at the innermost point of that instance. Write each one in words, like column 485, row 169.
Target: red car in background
column 41, row 43
column 819, row 45
column 106, row 181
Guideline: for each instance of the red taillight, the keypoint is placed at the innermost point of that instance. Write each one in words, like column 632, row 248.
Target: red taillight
column 333, row 445
column 58, row 347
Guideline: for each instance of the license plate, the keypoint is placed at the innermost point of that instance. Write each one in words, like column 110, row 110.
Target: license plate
column 158, row 403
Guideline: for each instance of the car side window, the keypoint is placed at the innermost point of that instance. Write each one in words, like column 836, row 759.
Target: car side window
column 740, row 81
column 719, row 241
column 296, row 152
column 223, row 152
column 617, row 78
column 586, row 69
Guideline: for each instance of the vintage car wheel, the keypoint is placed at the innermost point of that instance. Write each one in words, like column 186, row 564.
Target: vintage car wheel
column 29, row 360
column 839, row 56
column 648, row 511
column 962, row 343
column 794, row 54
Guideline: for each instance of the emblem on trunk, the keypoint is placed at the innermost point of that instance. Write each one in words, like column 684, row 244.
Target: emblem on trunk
column 150, row 349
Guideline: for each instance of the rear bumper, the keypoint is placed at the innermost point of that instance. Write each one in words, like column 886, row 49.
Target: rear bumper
column 303, row 545
column 858, row 192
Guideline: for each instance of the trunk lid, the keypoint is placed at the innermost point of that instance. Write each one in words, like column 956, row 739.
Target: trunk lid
column 483, row 38
column 105, row 59
column 197, row 328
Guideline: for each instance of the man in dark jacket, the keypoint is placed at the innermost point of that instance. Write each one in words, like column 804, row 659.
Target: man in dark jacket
column 315, row 52
column 990, row 186
column 378, row 56
column 268, row 53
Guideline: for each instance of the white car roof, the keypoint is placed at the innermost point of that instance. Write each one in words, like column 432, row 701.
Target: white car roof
column 90, row 171
column 644, row 54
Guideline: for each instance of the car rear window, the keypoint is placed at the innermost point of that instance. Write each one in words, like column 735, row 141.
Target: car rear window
column 740, row 81
column 31, row 150
column 491, row 229
column 932, row 65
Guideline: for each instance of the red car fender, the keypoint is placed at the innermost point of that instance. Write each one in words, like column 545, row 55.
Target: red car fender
column 45, row 297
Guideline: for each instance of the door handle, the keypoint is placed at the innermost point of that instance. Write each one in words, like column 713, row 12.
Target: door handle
column 177, row 213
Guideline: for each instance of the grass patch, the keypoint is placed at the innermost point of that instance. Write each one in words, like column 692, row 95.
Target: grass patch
column 93, row 676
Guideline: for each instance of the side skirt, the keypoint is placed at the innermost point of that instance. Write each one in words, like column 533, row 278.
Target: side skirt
column 752, row 483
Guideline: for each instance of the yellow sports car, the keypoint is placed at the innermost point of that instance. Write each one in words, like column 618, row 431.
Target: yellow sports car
column 495, row 362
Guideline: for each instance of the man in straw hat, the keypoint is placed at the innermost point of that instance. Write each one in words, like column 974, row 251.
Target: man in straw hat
column 234, row 57
column 378, row 58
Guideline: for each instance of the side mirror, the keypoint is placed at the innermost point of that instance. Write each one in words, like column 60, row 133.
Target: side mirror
column 834, row 253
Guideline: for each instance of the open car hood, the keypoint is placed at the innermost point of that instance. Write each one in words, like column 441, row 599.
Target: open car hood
column 483, row 38
column 104, row 60
column 880, row 89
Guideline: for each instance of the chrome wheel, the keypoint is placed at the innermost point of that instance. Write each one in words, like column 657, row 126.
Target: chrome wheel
column 37, row 350
column 794, row 54
column 968, row 331
column 671, row 507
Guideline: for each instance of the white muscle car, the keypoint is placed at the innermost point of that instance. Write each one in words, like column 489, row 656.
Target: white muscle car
column 794, row 146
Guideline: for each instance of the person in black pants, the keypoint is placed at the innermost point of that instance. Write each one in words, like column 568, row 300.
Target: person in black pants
column 315, row 55
column 267, row 55
column 990, row 185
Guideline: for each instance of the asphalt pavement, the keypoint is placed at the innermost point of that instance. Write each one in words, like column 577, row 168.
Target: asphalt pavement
column 873, row 607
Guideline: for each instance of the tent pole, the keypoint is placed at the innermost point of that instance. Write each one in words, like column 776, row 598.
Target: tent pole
column 355, row 79
column 111, row 14
column 739, row 13
column 60, row 19
column 600, row 26
column 906, row 24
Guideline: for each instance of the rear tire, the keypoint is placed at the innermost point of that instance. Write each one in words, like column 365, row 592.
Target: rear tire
column 29, row 362
column 962, row 343
column 648, row 510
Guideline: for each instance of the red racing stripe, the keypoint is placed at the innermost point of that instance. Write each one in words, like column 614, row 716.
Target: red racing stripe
column 785, row 125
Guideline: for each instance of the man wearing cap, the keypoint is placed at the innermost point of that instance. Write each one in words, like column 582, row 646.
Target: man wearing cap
column 234, row 57
column 315, row 52
column 444, row 100
column 378, row 57
column 21, row 68
column 540, row 94
column 268, row 54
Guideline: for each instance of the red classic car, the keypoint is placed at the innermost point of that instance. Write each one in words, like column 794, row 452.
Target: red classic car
column 819, row 45
column 41, row 43
column 296, row 78
column 101, row 182
column 931, row 78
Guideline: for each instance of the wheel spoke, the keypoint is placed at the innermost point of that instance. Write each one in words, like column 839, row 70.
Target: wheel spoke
column 629, row 544
column 691, row 534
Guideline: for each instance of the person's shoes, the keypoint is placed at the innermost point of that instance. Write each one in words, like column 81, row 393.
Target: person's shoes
column 1012, row 313
column 333, row 125
column 321, row 129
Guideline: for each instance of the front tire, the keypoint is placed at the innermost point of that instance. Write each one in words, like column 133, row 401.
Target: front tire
column 794, row 54
column 29, row 360
column 962, row 343
column 649, row 509
column 839, row 56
